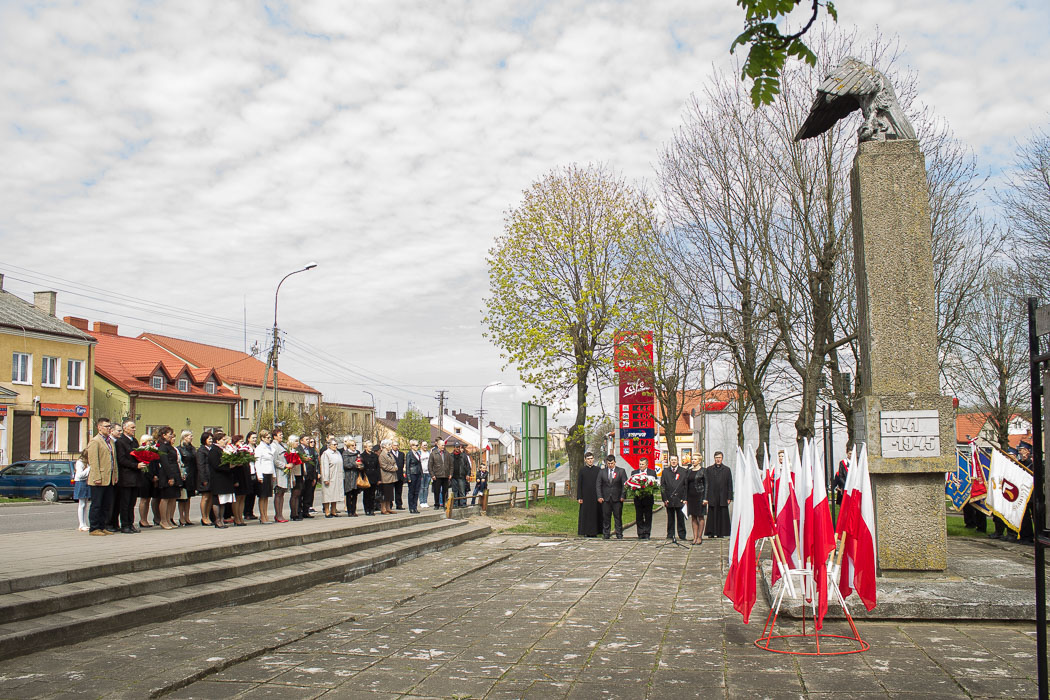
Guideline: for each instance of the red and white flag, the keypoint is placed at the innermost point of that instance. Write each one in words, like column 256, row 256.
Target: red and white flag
column 786, row 519
column 978, row 487
column 857, row 524
column 820, row 534
column 752, row 521
column 803, row 499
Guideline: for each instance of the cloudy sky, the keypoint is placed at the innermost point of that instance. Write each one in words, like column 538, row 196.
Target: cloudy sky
column 165, row 163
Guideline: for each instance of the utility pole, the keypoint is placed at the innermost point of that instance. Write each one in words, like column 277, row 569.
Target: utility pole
column 441, row 412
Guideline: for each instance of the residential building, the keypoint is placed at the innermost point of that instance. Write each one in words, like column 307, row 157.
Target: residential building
column 137, row 379
column 979, row 426
column 243, row 374
column 44, row 408
column 718, row 406
column 357, row 419
column 386, row 428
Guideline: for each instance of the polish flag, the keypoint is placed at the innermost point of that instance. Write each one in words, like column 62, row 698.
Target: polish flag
column 786, row 519
column 820, row 535
column 803, row 501
column 752, row 521
column 857, row 524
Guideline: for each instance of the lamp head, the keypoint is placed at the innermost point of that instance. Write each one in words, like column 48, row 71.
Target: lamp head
column 310, row 266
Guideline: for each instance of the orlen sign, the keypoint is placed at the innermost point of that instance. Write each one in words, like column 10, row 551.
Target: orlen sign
column 633, row 351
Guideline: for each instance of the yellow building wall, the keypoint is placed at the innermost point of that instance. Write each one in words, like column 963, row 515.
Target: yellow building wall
column 40, row 347
column 181, row 414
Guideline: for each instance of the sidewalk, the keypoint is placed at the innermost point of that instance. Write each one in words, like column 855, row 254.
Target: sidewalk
column 524, row 617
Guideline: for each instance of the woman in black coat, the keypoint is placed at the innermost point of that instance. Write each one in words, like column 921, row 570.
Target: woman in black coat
column 188, row 458
column 695, row 495
column 203, row 485
column 351, row 469
column 169, row 478
column 370, row 466
column 223, row 479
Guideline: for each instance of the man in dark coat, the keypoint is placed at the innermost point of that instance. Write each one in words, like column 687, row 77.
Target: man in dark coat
column 399, row 485
column 460, row 474
column 589, row 522
column 643, row 505
column 673, row 489
column 131, row 475
column 610, row 495
column 719, row 496
column 441, row 470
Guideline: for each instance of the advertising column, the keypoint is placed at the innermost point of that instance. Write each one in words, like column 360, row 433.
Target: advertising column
column 635, row 429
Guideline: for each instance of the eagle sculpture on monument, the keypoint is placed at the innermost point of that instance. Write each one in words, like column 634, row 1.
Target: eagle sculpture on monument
column 856, row 85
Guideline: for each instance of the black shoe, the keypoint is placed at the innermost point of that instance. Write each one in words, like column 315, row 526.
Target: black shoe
column 605, row 537
column 127, row 531
column 619, row 537
column 306, row 516
column 112, row 530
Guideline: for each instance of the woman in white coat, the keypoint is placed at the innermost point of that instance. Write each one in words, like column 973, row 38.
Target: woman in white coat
column 265, row 474
column 331, row 479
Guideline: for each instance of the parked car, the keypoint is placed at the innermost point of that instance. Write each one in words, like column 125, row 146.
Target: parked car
column 49, row 479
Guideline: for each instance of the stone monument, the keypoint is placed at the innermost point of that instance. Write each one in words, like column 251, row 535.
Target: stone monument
column 902, row 416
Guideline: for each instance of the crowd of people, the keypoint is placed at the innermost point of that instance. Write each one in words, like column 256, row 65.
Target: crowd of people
column 705, row 493
column 121, row 480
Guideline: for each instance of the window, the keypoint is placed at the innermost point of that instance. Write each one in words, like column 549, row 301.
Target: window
column 75, row 374
column 459, row 431
column 48, row 435
column 242, row 408
column 158, row 382
column 36, row 469
column 209, row 386
column 255, row 406
column 49, row 371
column 213, row 429
column 58, row 468
column 21, row 368
column 184, row 385
column 16, row 469
column 72, row 435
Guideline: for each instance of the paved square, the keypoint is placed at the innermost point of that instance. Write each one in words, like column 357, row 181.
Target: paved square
column 521, row 617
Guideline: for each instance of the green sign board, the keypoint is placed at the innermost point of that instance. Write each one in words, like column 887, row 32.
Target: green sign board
column 534, row 445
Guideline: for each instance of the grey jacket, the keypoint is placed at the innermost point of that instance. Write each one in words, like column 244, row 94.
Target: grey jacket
column 440, row 464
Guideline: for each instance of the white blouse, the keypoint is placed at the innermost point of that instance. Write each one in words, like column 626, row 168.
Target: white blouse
column 264, row 459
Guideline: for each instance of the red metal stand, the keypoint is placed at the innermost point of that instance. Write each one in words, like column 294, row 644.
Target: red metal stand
column 855, row 643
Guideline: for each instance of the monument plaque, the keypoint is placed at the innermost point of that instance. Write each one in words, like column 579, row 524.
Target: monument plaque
column 910, row 434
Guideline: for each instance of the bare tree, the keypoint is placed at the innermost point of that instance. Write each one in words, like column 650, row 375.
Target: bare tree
column 990, row 363
column 719, row 200
column 1026, row 205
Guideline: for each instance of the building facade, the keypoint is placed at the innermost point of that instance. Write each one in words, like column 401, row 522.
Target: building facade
column 244, row 375
column 137, row 379
column 46, row 368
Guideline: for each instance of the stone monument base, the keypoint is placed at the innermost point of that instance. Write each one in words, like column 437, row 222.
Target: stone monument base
column 910, row 511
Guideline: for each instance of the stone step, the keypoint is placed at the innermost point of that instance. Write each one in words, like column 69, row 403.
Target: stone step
column 28, row 635
column 284, row 535
column 50, row 600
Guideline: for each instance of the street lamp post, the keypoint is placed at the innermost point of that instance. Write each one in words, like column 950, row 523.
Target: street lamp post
column 309, row 266
column 481, row 423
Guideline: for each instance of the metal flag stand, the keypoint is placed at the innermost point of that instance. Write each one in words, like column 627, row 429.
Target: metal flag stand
column 800, row 591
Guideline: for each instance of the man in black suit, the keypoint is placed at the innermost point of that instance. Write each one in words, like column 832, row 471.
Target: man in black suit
column 610, row 495
column 673, row 484
column 130, row 476
column 643, row 505
column 414, row 472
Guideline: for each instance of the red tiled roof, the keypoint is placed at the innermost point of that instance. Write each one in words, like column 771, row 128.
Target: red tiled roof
column 131, row 362
column 234, row 366
column 969, row 426
column 713, row 400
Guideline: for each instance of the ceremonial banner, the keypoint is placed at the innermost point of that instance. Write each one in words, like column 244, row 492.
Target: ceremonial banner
column 1009, row 488
column 957, row 483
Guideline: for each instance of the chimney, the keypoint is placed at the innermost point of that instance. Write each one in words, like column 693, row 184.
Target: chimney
column 79, row 323
column 45, row 301
column 107, row 328
column 1, row 281
column 391, row 415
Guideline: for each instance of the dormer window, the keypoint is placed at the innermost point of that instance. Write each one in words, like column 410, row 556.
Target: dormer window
column 209, row 386
column 158, row 382
column 184, row 385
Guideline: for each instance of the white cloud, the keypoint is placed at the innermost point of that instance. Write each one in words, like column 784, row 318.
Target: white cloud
column 221, row 145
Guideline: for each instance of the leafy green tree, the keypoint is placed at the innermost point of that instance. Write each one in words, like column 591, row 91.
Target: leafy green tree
column 562, row 278
column 770, row 48
column 413, row 426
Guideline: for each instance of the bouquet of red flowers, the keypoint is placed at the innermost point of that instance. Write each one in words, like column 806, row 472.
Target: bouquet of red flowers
column 146, row 455
column 233, row 456
column 292, row 458
column 641, row 484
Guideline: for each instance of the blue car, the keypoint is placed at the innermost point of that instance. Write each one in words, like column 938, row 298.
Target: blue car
column 38, row 478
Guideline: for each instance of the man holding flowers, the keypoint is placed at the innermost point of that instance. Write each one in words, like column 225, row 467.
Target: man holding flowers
column 643, row 486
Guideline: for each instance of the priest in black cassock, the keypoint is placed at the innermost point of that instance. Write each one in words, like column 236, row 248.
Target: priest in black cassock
column 719, row 496
column 590, row 521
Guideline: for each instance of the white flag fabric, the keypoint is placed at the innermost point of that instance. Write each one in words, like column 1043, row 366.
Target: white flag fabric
column 1009, row 488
